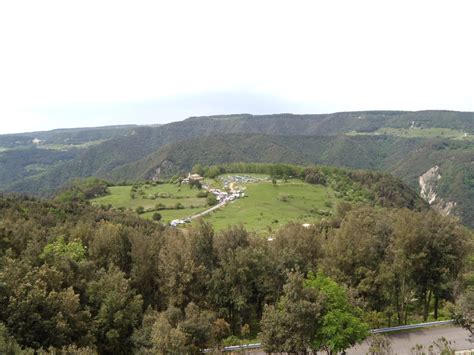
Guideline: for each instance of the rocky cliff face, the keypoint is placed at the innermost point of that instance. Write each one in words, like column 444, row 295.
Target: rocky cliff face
column 428, row 185
column 165, row 169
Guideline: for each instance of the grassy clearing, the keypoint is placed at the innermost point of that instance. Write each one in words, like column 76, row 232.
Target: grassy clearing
column 145, row 196
column 65, row 147
column 267, row 207
column 416, row 132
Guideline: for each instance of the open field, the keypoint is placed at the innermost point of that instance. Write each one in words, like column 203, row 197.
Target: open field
column 267, row 206
column 416, row 132
column 148, row 196
column 65, row 147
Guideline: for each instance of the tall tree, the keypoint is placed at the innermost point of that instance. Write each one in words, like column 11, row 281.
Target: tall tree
column 117, row 311
column 37, row 310
column 292, row 323
column 340, row 323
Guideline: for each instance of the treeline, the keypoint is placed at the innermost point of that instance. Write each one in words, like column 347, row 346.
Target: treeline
column 72, row 275
column 83, row 189
column 276, row 170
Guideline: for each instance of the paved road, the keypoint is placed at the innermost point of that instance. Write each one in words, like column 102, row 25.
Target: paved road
column 403, row 342
column 203, row 213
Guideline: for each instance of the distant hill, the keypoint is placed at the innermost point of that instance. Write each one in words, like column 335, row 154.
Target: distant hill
column 31, row 154
column 406, row 144
column 66, row 136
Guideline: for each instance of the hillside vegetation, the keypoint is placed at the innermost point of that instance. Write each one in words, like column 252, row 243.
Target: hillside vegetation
column 409, row 146
column 293, row 193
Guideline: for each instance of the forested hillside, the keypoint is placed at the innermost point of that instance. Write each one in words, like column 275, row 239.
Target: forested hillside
column 406, row 144
column 75, row 276
column 405, row 158
column 71, row 136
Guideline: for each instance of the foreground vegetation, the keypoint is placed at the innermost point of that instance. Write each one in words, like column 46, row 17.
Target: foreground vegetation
column 75, row 275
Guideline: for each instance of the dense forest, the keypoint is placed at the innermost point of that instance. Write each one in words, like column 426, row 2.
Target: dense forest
column 87, row 279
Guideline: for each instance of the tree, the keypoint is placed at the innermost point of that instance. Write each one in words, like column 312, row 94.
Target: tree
column 220, row 330
column 290, row 325
column 315, row 176
column 238, row 287
column 38, row 311
column 156, row 217
column 83, row 189
column 8, row 344
column 431, row 247
column 117, row 311
column 195, row 183
column 145, row 274
column 355, row 254
column 212, row 172
column 179, row 271
column 211, row 199
column 340, row 326
column 197, row 325
column 463, row 313
column 73, row 250
column 140, row 210
column 167, row 339
column 198, row 169
column 111, row 245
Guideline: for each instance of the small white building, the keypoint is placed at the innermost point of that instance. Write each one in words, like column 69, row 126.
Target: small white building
column 176, row 222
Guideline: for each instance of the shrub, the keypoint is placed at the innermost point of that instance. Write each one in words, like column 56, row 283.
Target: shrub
column 211, row 200
column 202, row 194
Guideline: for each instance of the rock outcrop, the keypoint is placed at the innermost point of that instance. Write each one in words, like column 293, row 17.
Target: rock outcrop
column 428, row 184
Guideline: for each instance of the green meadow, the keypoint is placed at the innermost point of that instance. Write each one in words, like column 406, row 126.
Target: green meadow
column 264, row 208
column 267, row 207
column 417, row 132
column 149, row 196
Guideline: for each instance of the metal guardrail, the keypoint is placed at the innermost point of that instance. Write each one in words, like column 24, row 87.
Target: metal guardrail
column 373, row 331
column 243, row 347
column 411, row 326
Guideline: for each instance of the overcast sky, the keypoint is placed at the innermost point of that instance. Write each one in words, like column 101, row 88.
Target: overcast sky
column 89, row 63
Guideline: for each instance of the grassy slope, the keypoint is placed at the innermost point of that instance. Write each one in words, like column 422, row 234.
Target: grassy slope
column 287, row 201
column 416, row 132
column 119, row 197
column 265, row 205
